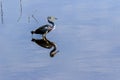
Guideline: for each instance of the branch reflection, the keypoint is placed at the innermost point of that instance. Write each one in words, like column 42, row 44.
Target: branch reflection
column 45, row 43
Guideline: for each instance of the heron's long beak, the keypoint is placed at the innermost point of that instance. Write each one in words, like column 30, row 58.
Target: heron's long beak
column 56, row 18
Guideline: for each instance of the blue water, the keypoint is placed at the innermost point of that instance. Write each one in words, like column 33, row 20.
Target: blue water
column 86, row 34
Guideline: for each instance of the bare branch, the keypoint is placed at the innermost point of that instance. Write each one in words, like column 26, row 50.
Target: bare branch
column 35, row 18
column 20, row 11
column 2, row 21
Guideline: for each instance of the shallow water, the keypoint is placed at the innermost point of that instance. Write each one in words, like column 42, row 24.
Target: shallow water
column 86, row 34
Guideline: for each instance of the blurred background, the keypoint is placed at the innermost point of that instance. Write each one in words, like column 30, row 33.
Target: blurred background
column 86, row 34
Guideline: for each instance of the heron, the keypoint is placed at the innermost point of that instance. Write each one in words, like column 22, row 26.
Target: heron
column 43, row 30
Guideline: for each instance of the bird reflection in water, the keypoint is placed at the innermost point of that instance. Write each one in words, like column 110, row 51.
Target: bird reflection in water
column 45, row 43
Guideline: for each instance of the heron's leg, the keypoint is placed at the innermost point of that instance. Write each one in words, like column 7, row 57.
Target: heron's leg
column 32, row 35
column 44, row 35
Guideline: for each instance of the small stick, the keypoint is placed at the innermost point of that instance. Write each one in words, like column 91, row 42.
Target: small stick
column 35, row 18
column 20, row 11
column 2, row 21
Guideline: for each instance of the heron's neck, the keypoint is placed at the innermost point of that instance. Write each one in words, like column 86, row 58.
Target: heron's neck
column 51, row 23
column 54, row 48
column 53, row 51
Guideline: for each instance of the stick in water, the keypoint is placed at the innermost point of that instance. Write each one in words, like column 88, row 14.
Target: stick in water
column 2, row 21
column 20, row 11
column 35, row 18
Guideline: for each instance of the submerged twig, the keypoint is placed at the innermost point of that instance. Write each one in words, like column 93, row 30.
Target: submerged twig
column 20, row 11
column 2, row 21
column 35, row 18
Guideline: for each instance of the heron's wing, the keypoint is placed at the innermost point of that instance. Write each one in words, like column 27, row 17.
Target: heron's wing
column 43, row 29
column 44, row 26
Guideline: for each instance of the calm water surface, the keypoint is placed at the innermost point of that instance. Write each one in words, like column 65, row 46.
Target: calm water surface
column 86, row 34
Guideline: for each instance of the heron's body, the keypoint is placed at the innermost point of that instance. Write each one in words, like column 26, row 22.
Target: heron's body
column 42, row 30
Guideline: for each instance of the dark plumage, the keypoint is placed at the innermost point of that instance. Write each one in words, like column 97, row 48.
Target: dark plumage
column 45, row 43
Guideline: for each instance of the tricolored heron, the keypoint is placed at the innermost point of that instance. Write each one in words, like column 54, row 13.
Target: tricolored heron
column 43, row 30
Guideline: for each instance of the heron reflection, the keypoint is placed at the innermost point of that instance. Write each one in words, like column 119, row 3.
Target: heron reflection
column 45, row 43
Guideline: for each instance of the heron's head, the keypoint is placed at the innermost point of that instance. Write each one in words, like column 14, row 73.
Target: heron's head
column 51, row 18
column 52, row 53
